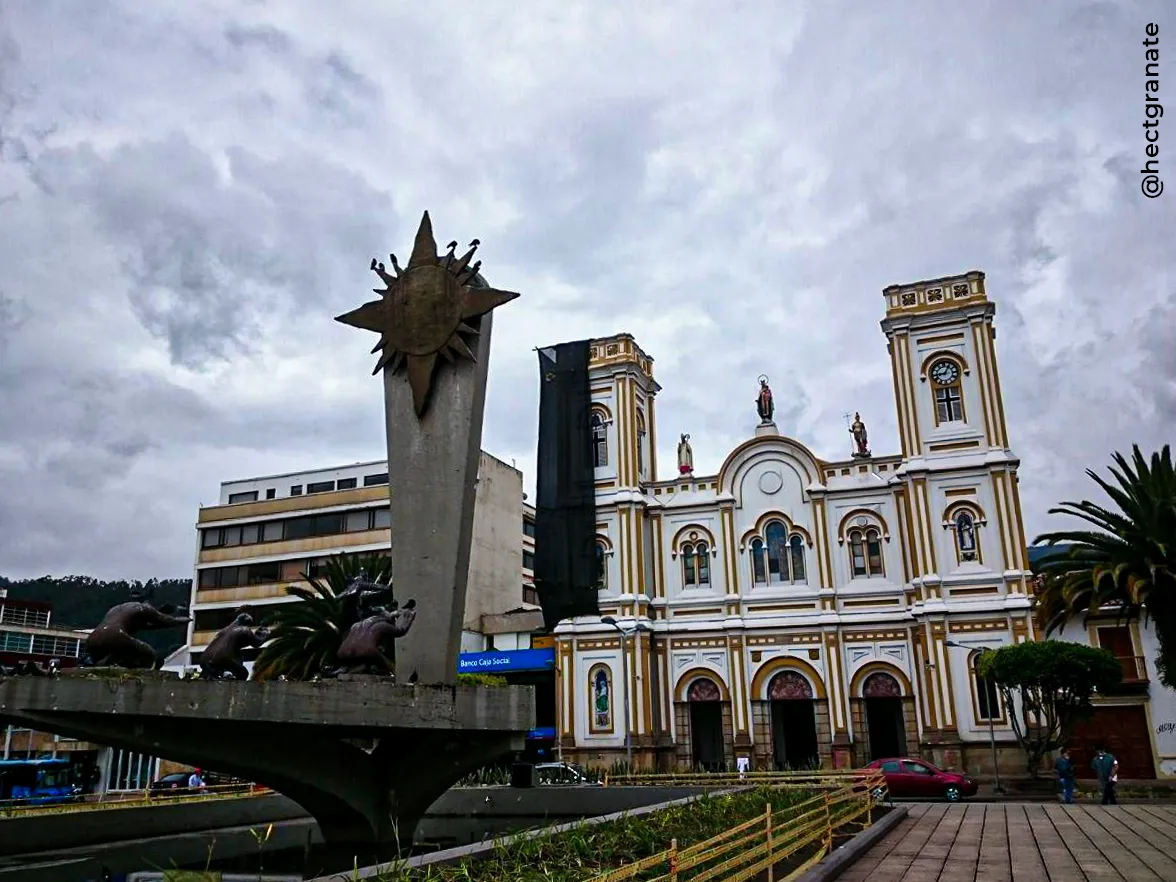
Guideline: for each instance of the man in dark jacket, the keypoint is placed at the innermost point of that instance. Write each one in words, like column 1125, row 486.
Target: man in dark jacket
column 1065, row 769
column 1106, row 767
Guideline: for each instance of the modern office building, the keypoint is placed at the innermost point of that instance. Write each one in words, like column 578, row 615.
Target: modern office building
column 796, row 608
column 264, row 533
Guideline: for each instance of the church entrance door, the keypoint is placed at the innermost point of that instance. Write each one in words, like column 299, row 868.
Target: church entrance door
column 794, row 722
column 884, row 718
column 706, row 725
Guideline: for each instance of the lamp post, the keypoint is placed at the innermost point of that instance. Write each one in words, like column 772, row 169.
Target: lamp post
column 626, row 635
column 996, row 787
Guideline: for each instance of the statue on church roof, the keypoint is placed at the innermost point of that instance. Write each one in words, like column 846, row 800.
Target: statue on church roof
column 764, row 405
column 860, row 439
column 685, row 456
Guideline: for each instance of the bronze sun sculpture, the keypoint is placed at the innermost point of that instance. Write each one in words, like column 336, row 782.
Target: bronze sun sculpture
column 426, row 310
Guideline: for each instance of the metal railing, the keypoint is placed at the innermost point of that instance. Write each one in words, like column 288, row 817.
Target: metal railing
column 87, row 802
column 799, row 834
column 812, row 779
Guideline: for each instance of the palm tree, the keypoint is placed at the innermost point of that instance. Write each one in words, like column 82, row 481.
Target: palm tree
column 305, row 636
column 1127, row 563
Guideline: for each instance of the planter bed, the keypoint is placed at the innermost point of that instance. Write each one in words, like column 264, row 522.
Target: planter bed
column 587, row 850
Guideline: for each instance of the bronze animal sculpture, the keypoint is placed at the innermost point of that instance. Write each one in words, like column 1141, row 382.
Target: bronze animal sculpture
column 362, row 650
column 114, row 643
column 223, row 655
column 357, row 600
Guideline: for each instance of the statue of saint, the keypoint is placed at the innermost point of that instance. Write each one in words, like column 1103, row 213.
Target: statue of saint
column 764, row 405
column 860, row 439
column 685, row 456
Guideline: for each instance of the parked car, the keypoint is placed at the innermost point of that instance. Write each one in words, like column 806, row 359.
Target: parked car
column 915, row 777
column 175, row 783
column 563, row 775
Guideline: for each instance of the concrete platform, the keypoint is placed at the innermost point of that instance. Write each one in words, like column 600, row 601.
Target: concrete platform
column 365, row 756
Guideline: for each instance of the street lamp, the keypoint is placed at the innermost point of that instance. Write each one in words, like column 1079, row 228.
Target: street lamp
column 626, row 635
column 996, row 788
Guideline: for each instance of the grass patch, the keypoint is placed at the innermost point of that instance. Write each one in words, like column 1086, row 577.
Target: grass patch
column 588, row 850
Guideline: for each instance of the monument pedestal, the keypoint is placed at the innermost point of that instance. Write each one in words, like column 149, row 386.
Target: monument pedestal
column 767, row 427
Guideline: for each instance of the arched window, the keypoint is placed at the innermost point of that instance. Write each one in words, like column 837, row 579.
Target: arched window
column 601, row 568
column 949, row 397
column 796, row 547
column 599, row 440
column 777, row 558
column 600, row 690
column 865, row 553
column 777, row 539
column 759, row 571
column 965, row 536
column 641, row 443
column 695, row 564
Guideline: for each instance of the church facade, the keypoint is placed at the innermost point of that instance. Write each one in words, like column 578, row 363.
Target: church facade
column 797, row 610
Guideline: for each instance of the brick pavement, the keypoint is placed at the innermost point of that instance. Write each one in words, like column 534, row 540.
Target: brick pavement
column 1025, row 842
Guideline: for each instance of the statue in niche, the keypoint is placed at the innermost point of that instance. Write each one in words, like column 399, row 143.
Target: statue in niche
column 113, row 642
column 223, row 655
column 860, row 438
column 363, row 647
column 764, row 405
column 685, row 456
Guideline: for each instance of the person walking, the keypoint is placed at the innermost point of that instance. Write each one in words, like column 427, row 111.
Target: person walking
column 1106, row 767
column 1064, row 766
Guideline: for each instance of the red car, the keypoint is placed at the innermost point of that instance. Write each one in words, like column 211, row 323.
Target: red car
column 914, row 777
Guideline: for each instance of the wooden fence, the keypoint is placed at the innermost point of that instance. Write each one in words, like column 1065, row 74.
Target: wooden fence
column 800, row 834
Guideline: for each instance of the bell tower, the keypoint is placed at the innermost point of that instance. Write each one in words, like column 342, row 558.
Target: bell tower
column 943, row 358
column 624, row 423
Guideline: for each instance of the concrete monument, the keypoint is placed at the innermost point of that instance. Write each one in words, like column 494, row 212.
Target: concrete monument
column 437, row 308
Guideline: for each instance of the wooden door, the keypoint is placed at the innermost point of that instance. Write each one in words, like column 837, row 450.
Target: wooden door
column 1121, row 729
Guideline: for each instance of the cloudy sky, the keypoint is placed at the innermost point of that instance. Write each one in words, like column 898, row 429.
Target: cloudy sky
column 189, row 192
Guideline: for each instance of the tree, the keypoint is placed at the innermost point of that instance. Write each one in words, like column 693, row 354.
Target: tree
column 1128, row 564
column 1052, row 683
column 305, row 636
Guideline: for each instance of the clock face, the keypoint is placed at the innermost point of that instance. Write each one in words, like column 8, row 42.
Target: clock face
column 945, row 372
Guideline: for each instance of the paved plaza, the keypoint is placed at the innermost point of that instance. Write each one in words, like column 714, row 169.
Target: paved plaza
column 1025, row 842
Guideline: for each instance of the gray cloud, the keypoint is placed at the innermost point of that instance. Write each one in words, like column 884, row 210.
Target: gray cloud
column 188, row 197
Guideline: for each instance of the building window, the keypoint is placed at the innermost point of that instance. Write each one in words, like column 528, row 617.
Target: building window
column 601, row 567
column 296, row 490
column 528, row 527
column 778, row 558
column 23, row 615
column 375, row 480
column 12, row 641
column 758, row 570
column 530, row 595
column 965, row 536
column 987, row 698
column 640, row 443
column 320, row 487
column 796, row 546
column 949, row 399
column 600, row 687
column 247, row 496
column 865, row 553
column 695, row 565
column 599, row 440
column 528, row 560
column 271, row 493
column 345, row 484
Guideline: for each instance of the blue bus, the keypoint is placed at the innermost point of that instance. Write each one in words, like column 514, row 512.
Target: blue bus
column 36, row 781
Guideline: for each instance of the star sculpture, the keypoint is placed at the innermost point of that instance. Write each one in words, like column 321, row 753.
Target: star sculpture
column 425, row 311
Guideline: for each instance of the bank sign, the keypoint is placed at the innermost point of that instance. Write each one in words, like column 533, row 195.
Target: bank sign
column 502, row 662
